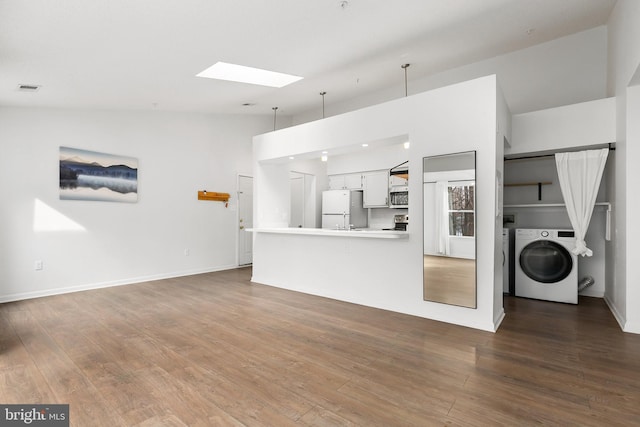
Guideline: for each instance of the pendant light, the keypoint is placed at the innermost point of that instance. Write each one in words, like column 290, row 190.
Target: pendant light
column 275, row 110
column 405, row 66
column 323, row 93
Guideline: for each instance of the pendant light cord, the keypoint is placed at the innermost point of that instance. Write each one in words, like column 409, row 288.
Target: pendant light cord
column 405, row 66
column 323, row 93
column 275, row 110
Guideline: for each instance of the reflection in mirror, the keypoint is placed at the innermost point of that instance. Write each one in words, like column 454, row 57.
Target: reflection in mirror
column 449, row 229
column 302, row 205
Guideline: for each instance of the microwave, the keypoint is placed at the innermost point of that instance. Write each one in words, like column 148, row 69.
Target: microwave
column 399, row 197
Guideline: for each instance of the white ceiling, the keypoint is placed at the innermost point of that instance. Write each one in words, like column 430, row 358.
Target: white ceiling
column 144, row 54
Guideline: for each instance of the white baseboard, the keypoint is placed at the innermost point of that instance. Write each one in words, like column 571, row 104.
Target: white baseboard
column 632, row 327
column 592, row 293
column 121, row 282
column 616, row 314
column 498, row 320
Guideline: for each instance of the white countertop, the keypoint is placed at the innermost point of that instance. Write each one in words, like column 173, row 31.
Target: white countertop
column 364, row 233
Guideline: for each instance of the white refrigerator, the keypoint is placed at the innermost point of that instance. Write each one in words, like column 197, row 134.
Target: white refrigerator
column 343, row 208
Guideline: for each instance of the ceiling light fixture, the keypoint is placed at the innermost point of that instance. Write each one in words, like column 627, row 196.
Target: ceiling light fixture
column 365, row 145
column 324, row 158
column 407, row 145
column 243, row 74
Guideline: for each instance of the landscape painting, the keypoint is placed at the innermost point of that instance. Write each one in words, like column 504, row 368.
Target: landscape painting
column 90, row 175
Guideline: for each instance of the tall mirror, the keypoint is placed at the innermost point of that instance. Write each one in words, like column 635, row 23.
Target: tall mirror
column 449, row 229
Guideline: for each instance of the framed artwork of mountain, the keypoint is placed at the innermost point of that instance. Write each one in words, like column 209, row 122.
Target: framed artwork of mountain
column 91, row 175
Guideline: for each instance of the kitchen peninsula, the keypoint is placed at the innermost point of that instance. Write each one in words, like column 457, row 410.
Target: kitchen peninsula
column 383, row 269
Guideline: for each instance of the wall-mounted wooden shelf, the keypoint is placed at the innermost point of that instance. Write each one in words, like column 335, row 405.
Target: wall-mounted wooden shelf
column 213, row 196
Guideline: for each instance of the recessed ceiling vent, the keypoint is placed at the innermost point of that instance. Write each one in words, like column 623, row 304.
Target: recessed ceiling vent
column 28, row 88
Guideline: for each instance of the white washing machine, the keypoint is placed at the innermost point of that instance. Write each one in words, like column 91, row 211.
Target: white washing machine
column 545, row 268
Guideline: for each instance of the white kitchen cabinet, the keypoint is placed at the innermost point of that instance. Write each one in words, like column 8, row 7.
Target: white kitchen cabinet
column 353, row 181
column 350, row 181
column 336, row 182
column 376, row 189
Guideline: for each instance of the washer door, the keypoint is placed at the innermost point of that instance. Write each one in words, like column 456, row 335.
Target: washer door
column 546, row 261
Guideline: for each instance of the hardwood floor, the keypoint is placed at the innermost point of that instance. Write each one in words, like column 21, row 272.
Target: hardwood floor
column 214, row 349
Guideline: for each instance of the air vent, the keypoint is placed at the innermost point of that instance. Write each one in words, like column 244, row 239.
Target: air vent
column 28, row 88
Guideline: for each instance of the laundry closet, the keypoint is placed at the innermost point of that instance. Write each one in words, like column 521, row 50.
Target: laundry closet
column 533, row 200
column 538, row 236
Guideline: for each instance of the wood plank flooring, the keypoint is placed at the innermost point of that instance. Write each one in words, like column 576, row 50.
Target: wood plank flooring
column 215, row 349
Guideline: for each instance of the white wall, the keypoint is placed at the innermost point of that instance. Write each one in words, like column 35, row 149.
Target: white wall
column 564, row 71
column 118, row 243
column 379, row 272
column 633, row 210
column 569, row 126
column 624, row 60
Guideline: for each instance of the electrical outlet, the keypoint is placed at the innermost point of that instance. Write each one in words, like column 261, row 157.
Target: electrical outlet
column 187, row 252
column 37, row 265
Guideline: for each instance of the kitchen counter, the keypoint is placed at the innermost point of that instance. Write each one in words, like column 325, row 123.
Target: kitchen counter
column 361, row 232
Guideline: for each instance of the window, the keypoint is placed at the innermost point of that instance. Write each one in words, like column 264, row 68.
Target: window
column 461, row 208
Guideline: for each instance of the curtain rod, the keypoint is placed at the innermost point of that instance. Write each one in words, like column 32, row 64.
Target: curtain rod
column 541, row 156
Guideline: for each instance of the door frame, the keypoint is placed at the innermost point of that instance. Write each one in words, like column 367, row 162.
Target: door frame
column 237, row 220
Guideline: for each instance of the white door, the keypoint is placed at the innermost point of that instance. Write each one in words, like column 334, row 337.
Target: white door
column 245, row 219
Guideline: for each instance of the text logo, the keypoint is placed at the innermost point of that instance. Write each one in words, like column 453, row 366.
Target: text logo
column 34, row 415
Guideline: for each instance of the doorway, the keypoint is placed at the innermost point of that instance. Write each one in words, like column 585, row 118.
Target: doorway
column 303, row 200
column 245, row 219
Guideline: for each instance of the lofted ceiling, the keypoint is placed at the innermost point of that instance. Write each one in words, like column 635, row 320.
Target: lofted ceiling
column 144, row 54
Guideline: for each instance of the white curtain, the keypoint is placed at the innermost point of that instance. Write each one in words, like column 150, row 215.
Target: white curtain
column 442, row 217
column 579, row 175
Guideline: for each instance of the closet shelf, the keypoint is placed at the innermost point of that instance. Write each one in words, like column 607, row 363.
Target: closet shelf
column 552, row 205
column 526, row 184
column 523, row 184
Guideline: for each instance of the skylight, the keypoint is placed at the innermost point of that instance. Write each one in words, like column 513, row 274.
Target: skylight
column 242, row 74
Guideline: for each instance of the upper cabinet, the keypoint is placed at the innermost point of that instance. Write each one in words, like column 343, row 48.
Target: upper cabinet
column 376, row 189
column 350, row 181
column 375, row 185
